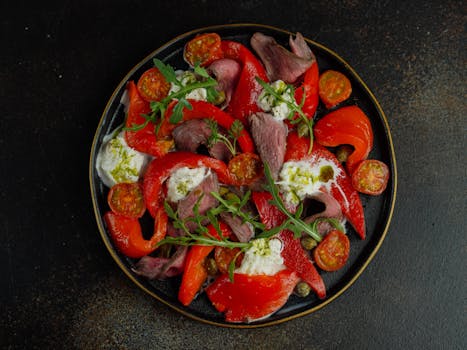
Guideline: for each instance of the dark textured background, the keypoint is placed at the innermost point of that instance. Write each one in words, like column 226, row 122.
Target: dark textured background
column 60, row 63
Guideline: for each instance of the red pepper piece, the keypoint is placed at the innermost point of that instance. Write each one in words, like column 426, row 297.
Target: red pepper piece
column 269, row 214
column 251, row 297
column 201, row 110
column 295, row 257
column 195, row 273
column 347, row 125
column 310, row 88
column 143, row 140
column 160, row 169
column 243, row 102
column 127, row 236
column 342, row 189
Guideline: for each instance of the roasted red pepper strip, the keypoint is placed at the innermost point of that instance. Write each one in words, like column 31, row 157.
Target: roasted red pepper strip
column 127, row 236
column 341, row 189
column 143, row 140
column 295, row 257
column 310, row 88
column 347, row 125
column 195, row 273
column 251, row 297
column 161, row 168
column 243, row 102
column 201, row 110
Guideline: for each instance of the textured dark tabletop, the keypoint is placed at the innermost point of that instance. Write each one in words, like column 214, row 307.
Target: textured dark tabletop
column 60, row 63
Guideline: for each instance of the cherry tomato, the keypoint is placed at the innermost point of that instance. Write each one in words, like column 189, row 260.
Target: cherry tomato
column 224, row 256
column 127, row 199
column 332, row 252
column 203, row 49
column 152, row 85
column 334, row 88
column 370, row 177
column 246, row 168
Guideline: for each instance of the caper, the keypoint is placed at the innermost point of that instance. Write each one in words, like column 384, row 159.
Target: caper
column 220, row 98
column 211, row 266
column 302, row 289
column 343, row 152
column 308, row 243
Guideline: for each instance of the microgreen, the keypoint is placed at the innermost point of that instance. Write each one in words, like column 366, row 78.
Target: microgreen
column 230, row 141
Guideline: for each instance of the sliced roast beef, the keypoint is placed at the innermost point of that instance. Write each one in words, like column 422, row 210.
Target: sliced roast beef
column 279, row 62
column 226, row 72
column 270, row 138
column 190, row 135
column 332, row 209
column 162, row 268
column 201, row 195
column 242, row 230
column 300, row 47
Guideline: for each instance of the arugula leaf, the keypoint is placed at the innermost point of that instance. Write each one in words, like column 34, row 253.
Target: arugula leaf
column 167, row 71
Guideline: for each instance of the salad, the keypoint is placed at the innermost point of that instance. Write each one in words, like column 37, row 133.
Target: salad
column 250, row 191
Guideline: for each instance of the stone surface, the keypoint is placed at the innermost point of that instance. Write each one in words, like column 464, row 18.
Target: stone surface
column 60, row 63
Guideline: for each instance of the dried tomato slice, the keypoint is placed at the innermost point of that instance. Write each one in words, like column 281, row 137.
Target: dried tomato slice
column 203, row 49
column 127, row 199
column 152, row 85
column 332, row 252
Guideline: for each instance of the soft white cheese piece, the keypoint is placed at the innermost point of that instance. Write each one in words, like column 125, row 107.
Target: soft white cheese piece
column 185, row 78
column 263, row 258
column 297, row 179
column 184, row 180
column 116, row 162
column 278, row 108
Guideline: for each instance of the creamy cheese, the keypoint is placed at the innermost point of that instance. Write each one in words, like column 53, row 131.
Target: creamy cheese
column 116, row 162
column 278, row 108
column 184, row 180
column 297, row 179
column 263, row 258
column 185, row 78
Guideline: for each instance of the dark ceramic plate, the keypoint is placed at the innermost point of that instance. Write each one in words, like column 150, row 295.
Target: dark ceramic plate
column 378, row 210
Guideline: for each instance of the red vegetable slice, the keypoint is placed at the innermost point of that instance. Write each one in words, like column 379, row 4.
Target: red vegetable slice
column 370, row 177
column 152, row 85
column 251, row 297
column 203, row 49
column 332, row 252
column 127, row 199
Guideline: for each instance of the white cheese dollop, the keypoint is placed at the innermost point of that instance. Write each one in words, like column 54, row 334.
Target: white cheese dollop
column 297, row 179
column 116, row 162
column 263, row 258
column 185, row 78
column 269, row 103
column 184, row 180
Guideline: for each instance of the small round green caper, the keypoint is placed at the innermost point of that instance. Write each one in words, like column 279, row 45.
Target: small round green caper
column 211, row 266
column 302, row 289
column 308, row 243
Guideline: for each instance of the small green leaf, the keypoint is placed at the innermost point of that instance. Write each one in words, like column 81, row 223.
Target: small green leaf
column 167, row 71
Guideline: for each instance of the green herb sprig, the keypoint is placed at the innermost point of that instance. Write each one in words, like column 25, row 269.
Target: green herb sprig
column 230, row 140
column 159, row 108
column 306, row 125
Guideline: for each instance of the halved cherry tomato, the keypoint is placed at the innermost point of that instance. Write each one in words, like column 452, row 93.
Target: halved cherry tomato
column 152, row 85
column 334, row 88
column 224, row 256
column 246, row 168
column 370, row 177
column 127, row 199
column 332, row 252
column 203, row 49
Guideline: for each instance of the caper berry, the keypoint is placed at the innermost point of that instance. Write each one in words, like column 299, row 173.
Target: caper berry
column 302, row 289
column 308, row 243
